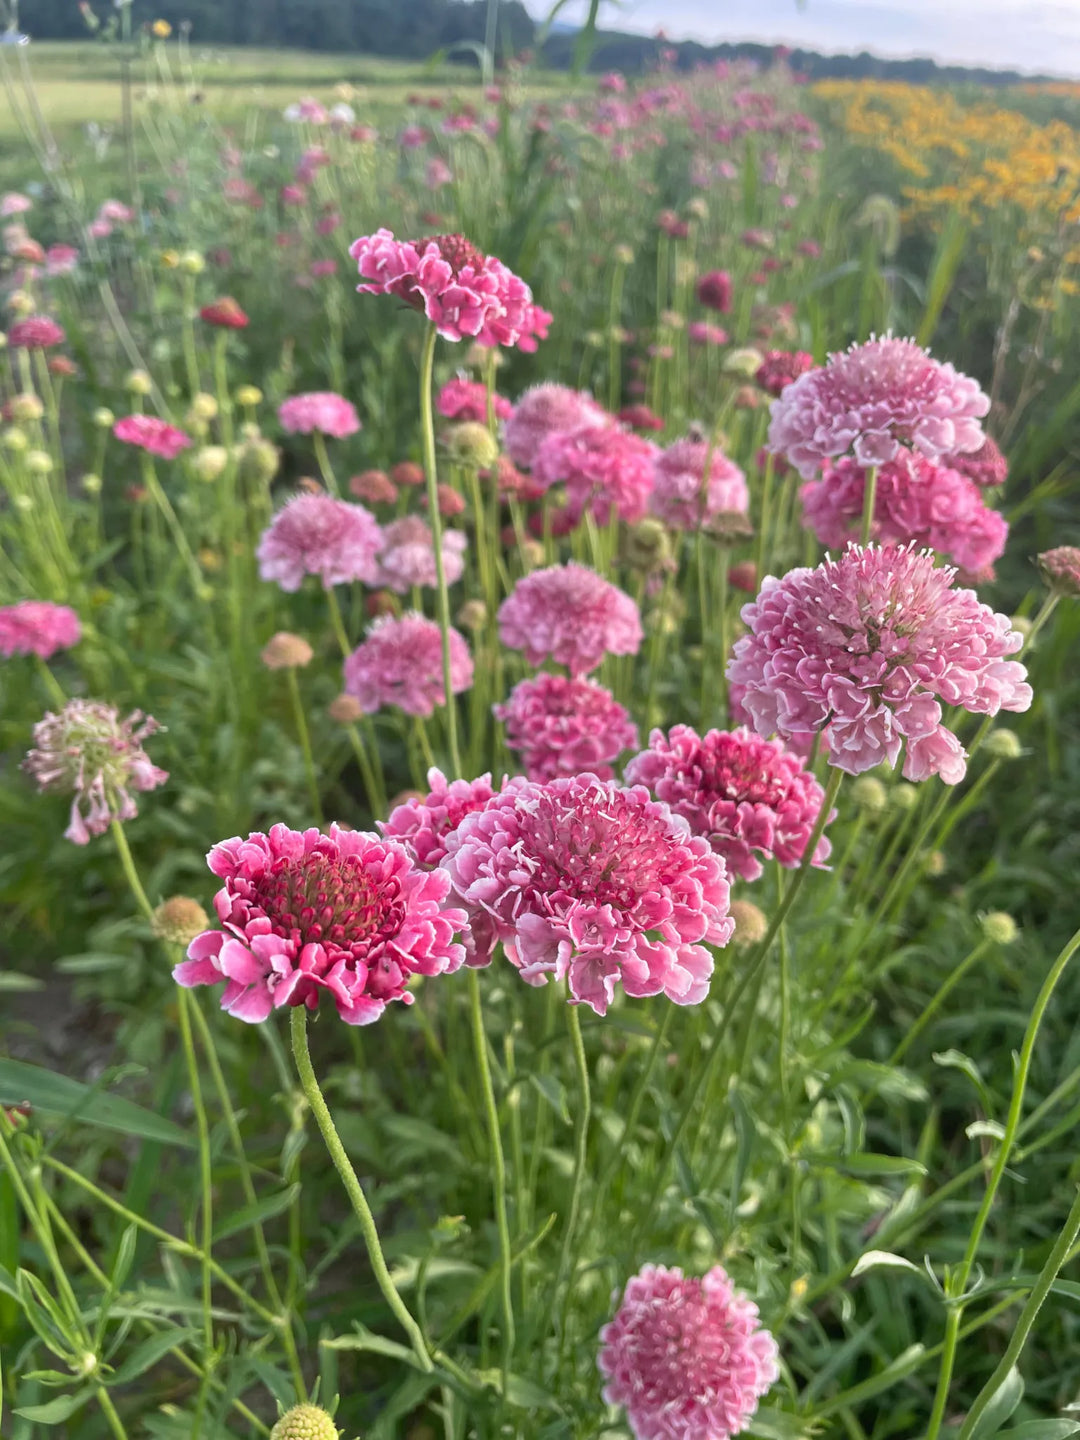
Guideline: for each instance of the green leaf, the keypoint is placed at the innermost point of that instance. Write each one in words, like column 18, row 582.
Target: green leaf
column 54, row 1094
column 252, row 1214
column 554, row 1092
column 883, row 1259
column 1041, row 1430
column 869, row 1164
column 11, row 980
column 519, row 1390
column 893, row 1373
column 365, row 1339
column 1001, row 1406
column 773, row 1424
column 149, row 1352
column 55, row 1411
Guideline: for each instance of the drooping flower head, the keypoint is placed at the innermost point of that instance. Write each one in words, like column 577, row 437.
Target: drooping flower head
column 36, row 332
column 37, row 627
column 780, row 367
column 318, row 535
column 1061, row 569
column 408, row 555
column 156, row 437
column 320, row 410
column 678, row 473
column 302, row 913
column 986, row 465
column 605, row 468
column 752, row 799
column 868, row 645
column 461, row 399
column 546, row 410
column 872, row 399
column 586, row 881
column 89, row 751
column 570, row 614
column 422, row 822
column 561, row 726
column 687, row 1358
column 400, row 663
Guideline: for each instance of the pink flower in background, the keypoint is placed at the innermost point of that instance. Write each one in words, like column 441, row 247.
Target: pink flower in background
column 320, row 410
column 612, row 83
column 437, row 173
column 986, row 465
column 640, row 417
column 597, row 885
column 687, row 1358
column 308, row 109
column 303, row 914
column 873, row 399
column 36, row 332
column 13, row 203
column 61, row 259
column 546, row 410
column 408, row 555
column 461, row 399
column 400, row 663
column 678, row 473
column 99, row 229
column 155, row 436
column 748, row 797
column 318, row 535
column 422, row 823
column 1061, row 569
column 868, row 645
column 37, row 627
column 780, row 367
column 700, row 332
column 563, row 727
column 714, row 291
column 115, row 212
column 604, row 467
column 569, row 614
column 321, row 268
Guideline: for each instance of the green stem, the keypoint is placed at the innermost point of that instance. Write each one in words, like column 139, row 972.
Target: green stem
column 205, row 1168
column 581, row 1148
column 116, row 1425
column 869, row 497
column 51, row 683
column 305, row 743
column 936, row 1003
column 326, row 470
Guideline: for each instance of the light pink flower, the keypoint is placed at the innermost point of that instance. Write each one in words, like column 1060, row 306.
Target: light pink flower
column 687, row 1358
column 571, row 615
column 868, row 645
column 36, row 332
column 545, row 410
column 700, row 332
column 13, row 203
column 562, row 727
column 872, row 399
column 304, row 913
column 407, row 557
column 318, row 535
column 437, row 173
column 461, row 399
column 320, row 410
column 605, row 468
column 422, row 824
column 780, row 367
column 678, row 473
column 148, row 433
column 747, row 796
column 400, row 663
column 61, row 259
column 115, row 212
column 986, row 465
column 37, row 627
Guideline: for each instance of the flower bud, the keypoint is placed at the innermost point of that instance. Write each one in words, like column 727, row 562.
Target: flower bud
column 249, row 395
column 39, row 462
column 209, row 462
column 750, row 924
column 472, row 616
column 179, row 919
column 24, row 503
column 345, row 709
column 532, row 553
column 647, row 546
column 904, row 795
column 138, row 382
column 26, row 408
column 998, row 927
column 169, row 259
column 192, row 263
column 472, row 444
column 103, row 417
column 305, row 1422
column 623, row 255
column 20, row 303
column 407, row 472
column 743, row 362
column 1003, row 744
column 284, row 651
column 1021, row 624
column 91, row 484
column 14, row 439
column 258, row 461
column 744, row 576
column 203, row 406
column 869, row 794
column 935, row 863
column 1061, row 570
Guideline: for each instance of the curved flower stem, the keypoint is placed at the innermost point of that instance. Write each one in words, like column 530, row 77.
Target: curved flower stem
column 427, row 432
column 116, row 1425
column 565, row 1274
column 910, row 1036
column 869, row 497
column 325, row 1121
column 305, row 743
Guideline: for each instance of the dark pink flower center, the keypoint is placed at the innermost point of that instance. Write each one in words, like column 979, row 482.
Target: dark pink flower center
column 328, row 900
column 681, row 1352
column 734, row 772
column 455, row 250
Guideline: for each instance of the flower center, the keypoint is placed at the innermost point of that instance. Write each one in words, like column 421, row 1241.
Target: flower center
column 455, row 250
column 739, row 772
column 329, row 900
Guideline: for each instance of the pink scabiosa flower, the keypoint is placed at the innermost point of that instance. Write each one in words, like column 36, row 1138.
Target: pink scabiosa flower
column 422, row 823
column 678, row 473
column 90, row 752
column 563, row 726
column 302, row 913
column 986, row 465
column 687, row 1358
column 605, row 467
column 224, row 313
column 873, row 399
column 714, row 291
column 569, row 614
column 1060, row 569
column 156, row 437
column 461, row 399
column 61, row 259
column 400, row 663
column 700, row 332
column 640, row 417
column 318, row 535
column 36, row 332
column 779, row 368
column 407, row 557
column 586, row 881
column 320, row 410
column 37, row 627
column 546, row 410
column 14, row 203
column 867, row 645
column 748, row 797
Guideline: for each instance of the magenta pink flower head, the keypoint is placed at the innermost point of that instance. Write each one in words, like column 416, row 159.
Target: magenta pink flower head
column 400, row 663
column 749, row 797
column 780, row 367
column 562, row 727
column 304, row 913
column 872, row 399
column 408, row 555
column 37, row 627
column 422, row 824
column 319, row 410
column 678, row 473
column 546, row 410
column 461, row 399
column 687, row 1358
column 586, row 881
column 155, row 436
column 605, row 467
column 464, row 293
column 90, row 752
column 868, row 645
column 318, row 535
column 986, row 465
column 36, row 332
column 569, row 614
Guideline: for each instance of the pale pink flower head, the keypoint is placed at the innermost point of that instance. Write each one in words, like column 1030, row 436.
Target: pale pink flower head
column 407, row 557
column 870, row 401
column 400, row 663
column 88, row 751
column 14, row 203
column 61, row 259
column 868, row 645
column 569, row 614
column 320, row 410
column 461, row 399
column 561, row 726
column 779, row 368
column 437, row 173
column 116, row 212
column 37, row 627
column 752, row 799
column 688, row 1359
column 36, row 332
column 319, row 535
column 156, row 437
column 594, row 884
column 700, row 332
column 422, row 823
column 986, row 465
column 1061, row 569
column 680, row 498
column 606, row 469
column 303, row 914
column 545, row 410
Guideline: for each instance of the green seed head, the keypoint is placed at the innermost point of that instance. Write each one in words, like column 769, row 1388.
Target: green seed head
column 305, row 1422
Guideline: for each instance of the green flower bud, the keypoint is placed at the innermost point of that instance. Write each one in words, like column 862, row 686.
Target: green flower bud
column 209, row 462
column 192, row 263
column 14, row 439
column 751, row 925
column 91, row 484
column 904, row 795
column 305, row 1422
column 26, row 408
column 1003, row 744
column 258, row 461
column 999, row 928
column 743, row 362
column 138, row 382
column 203, row 406
column 472, row 444
column 869, row 794
column 179, row 919
column 39, row 462
column 103, row 417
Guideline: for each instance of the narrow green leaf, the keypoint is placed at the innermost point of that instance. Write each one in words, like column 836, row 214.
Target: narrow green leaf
column 869, row 1164
column 520, row 1391
column 54, row 1094
column 1041, row 1430
column 55, row 1412
column 883, row 1259
column 365, row 1339
column 1004, row 1402
column 554, row 1092
column 251, row 1214
column 11, row 980
column 149, row 1352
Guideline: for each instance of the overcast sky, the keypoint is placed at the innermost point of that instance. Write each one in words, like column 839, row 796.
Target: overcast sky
column 1033, row 35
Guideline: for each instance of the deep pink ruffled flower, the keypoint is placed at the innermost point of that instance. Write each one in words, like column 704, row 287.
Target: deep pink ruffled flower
column 986, row 465
column 319, row 535
column 320, row 410
column 916, row 500
column 154, row 436
column 408, row 555
column 687, row 1358
column 36, row 332
column 868, row 645
column 605, row 468
column 37, row 627
column 569, row 614
column 545, row 410
column 461, row 399
column 422, row 824
column 747, row 796
column 715, row 292
column 303, row 913
column 400, row 663
column 678, row 473
column 563, row 726
column 586, row 881
column 99, row 758
column 780, row 367
column 872, row 399
column 461, row 291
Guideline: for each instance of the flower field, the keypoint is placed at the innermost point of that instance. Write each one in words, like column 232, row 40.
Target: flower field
column 539, row 762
